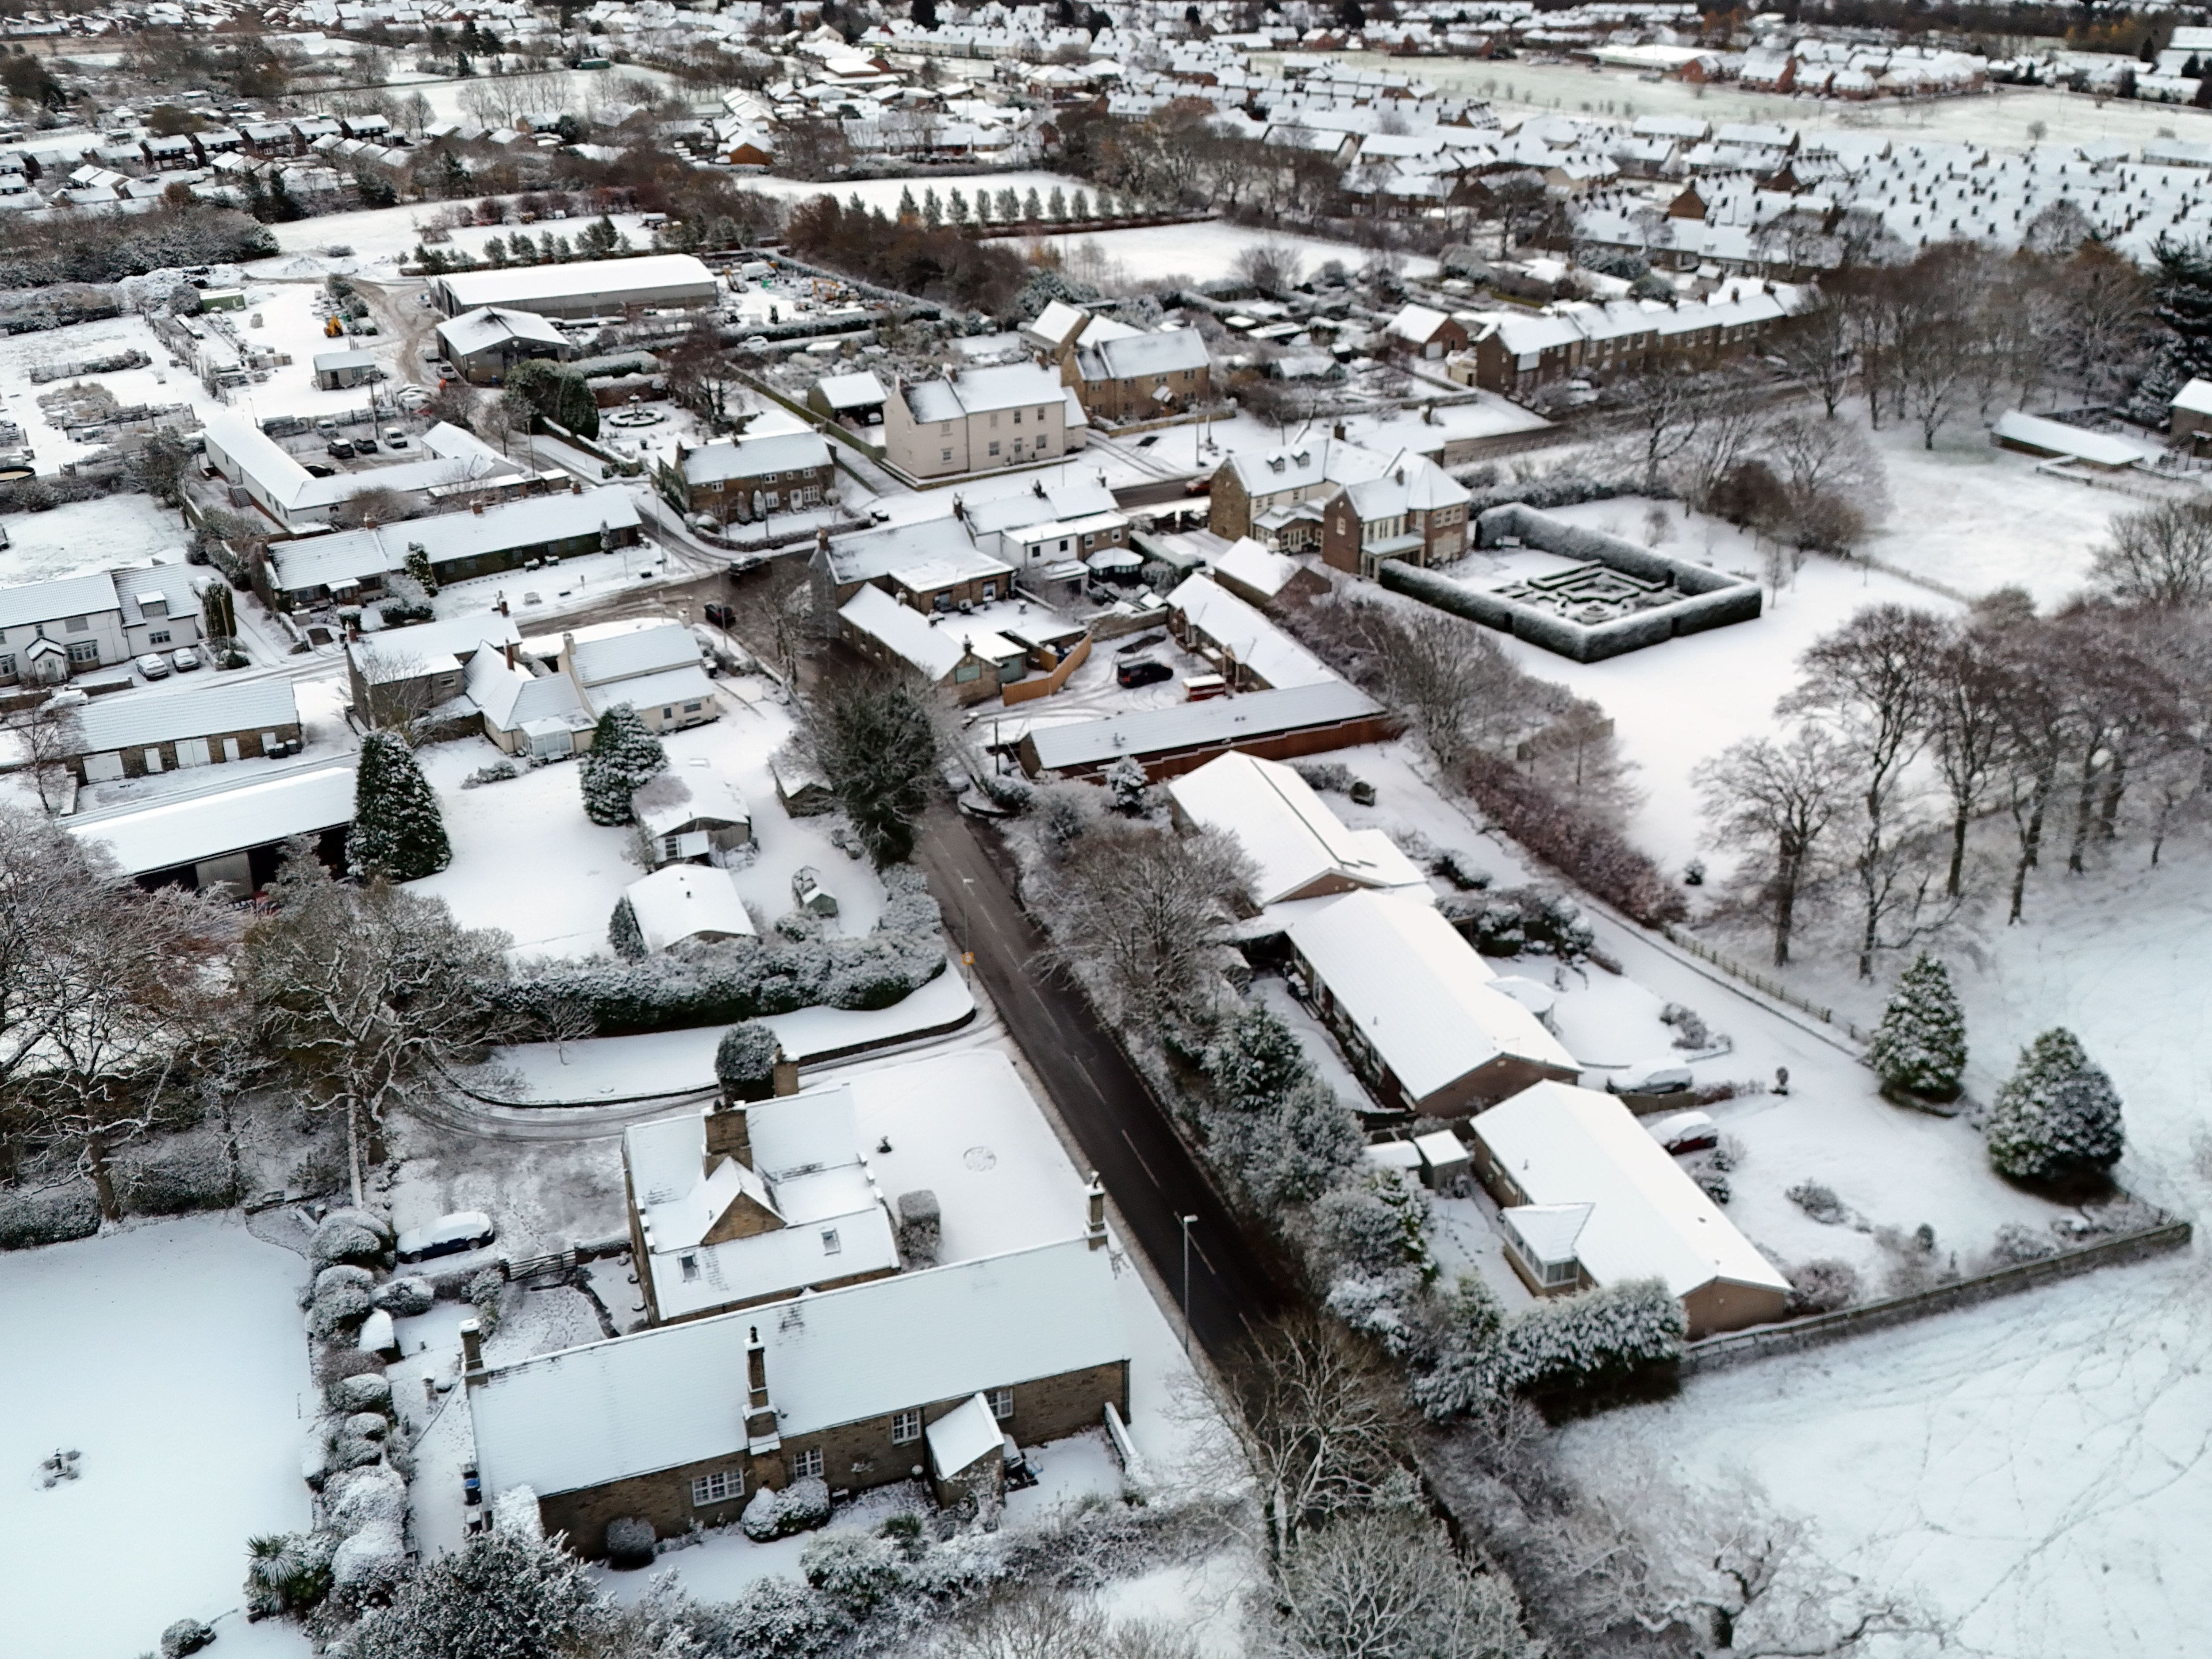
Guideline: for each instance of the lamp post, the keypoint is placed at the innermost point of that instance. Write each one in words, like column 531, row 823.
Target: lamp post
column 1185, row 1221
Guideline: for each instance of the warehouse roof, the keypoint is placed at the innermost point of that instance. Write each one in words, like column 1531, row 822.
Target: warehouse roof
column 1199, row 724
column 186, row 831
column 519, row 284
column 489, row 325
column 664, row 1397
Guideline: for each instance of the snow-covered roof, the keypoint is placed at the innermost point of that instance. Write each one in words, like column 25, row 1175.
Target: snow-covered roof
column 511, row 698
column 1418, row 992
column 1566, row 1146
column 169, row 833
column 1249, row 564
column 1417, row 324
column 1302, row 849
column 687, row 685
column 502, row 527
column 979, row 391
column 611, row 279
column 963, row 1436
column 2055, row 437
column 934, row 644
column 1255, row 642
column 2196, row 397
column 454, row 456
column 70, row 596
column 687, row 900
column 755, row 458
column 430, row 647
column 664, row 1397
column 156, row 593
column 669, row 802
column 1043, row 502
column 490, row 325
column 1137, row 355
column 1184, row 726
column 1057, row 323
column 639, row 651
column 137, row 719
column 861, row 390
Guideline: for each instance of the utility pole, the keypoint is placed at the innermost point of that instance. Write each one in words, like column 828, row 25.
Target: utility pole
column 1185, row 1221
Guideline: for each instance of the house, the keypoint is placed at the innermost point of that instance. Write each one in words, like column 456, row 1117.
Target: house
column 1248, row 651
column 1415, row 511
column 1587, row 1198
column 934, row 565
column 1424, row 332
column 137, row 733
column 1275, row 497
column 976, row 420
column 1049, row 524
column 738, row 480
column 1258, row 576
column 1305, row 720
column 526, row 710
column 230, row 838
column 336, row 370
column 1299, row 848
column 2189, row 414
column 483, row 344
column 160, row 608
column 855, row 402
column 1129, row 374
column 270, row 478
column 658, row 671
column 685, row 1423
column 689, row 819
column 346, row 565
column 687, row 904
column 585, row 287
column 52, row 630
column 400, row 675
column 970, row 662
column 749, row 1203
column 1412, row 1006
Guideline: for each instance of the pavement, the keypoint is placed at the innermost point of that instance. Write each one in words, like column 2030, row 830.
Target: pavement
column 1125, row 1133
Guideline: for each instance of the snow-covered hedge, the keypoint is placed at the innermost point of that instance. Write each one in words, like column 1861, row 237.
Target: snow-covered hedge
column 799, row 1507
column 361, row 1499
column 370, row 1560
column 405, row 1297
column 349, row 1236
column 30, row 1218
column 631, row 1542
column 856, row 1571
column 171, row 1176
column 1595, row 1340
column 368, row 1392
column 795, row 965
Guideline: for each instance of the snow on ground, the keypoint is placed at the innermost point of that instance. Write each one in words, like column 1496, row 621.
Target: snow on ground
column 2001, row 117
column 170, row 1355
column 526, row 860
column 1202, row 1600
column 1201, row 252
column 77, row 536
column 885, row 192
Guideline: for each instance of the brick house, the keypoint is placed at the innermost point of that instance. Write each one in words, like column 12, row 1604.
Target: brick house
column 1416, row 512
column 1424, row 332
column 1138, row 376
column 142, row 733
column 1515, row 353
column 1275, row 497
column 737, row 480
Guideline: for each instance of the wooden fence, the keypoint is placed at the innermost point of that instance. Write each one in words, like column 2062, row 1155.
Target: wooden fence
column 1029, row 691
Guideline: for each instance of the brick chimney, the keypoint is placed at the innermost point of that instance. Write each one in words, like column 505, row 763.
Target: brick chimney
column 764, row 1439
column 477, row 508
column 1337, row 432
column 575, row 486
column 786, row 1073
column 511, row 663
column 729, row 1135
column 1095, row 1223
column 471, row 1346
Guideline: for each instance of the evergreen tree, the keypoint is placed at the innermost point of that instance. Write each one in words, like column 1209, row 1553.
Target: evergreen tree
column 855, row 206
column 1079, row 205
column 623, row 933
column 1055, row 207
column 418, row 566
column 397, row 829
column 1032, row 207
column 1920, row 1046
column 1009, row 206
column 495, row 251
column 503, row 1595
column 956, row 207
column 907, row 210
column 600, row 238
column 2057, row 1117
column 982, row 207
column 2183, row 284
column 623, row 756
column 932, row 211
column 745, row 1061
column 875, row 738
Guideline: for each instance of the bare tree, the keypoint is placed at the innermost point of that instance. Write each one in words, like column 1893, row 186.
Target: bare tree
column 1872, row 679
column 48, row 736
column 1666, row 408
column 1386, row 1582
column 1777, row 800
column 1816, row 352
column 1968, row 709
column 1271, row 267
column 1728, row 434
column 1148, row 913
column 1037, row 1622
column 2158, row 555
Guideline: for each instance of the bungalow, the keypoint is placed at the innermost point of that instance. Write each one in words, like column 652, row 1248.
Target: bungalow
column 1424, row 332
column 1247, row 649
column 526, row 710
column 270, row 478
column 400, row 675
column 934, row 565
column 139, row 733
column 1412, row 1006
column 741, row 479
column 1587, row 1198
column 687, row 904
column 658, row 671
column 1305, row 720
column 970, row 662
column 701, row 819
column 1299, row 848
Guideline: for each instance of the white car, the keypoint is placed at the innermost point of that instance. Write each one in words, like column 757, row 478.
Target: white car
column 154, row 665
column 184, row 660
column 412, row 397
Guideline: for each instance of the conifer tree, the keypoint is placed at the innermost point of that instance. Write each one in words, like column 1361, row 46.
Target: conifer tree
column 1055, row 207
column 397, row 831
column 1032, row 205
column 932, row 211
column 956, row 207
column 907, row 210
column 623, row 756
column 1079, row 205
column 2057, row 1117
column 623, row 933
column 1920, row 1046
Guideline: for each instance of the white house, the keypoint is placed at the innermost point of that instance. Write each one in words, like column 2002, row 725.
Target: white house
column 687, row 903
column 976, row 420
column 657, row 670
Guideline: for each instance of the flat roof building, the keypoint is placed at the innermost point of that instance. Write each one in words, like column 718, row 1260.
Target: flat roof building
column 586, row 288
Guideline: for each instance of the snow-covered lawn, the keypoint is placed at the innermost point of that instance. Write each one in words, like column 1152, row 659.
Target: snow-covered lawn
column 76, row 537
column 170, row 1355
column 1201, row 252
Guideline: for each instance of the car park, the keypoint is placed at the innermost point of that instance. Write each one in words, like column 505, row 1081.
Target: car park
column 1142, row 670
column 154, row 665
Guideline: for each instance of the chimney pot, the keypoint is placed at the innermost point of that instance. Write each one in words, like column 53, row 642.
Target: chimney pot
column 1094, row 1221
column 575, row 486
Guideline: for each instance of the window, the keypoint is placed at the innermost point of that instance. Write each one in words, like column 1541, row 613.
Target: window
column 807, row 1463
column 690, row 1265
column 994, row 446
column 946, row 456
column 161, row 638
column 966, row 672
column 1017, row 417
column 719, row 1487
column 905, row 1428
column 692, row 707
column 1002, row 1403
column 995, row 421
column 84, row 651
column 830, row 1243
column 990, row 590
column 6, row 668
column 1042, row 413
column 77, row 624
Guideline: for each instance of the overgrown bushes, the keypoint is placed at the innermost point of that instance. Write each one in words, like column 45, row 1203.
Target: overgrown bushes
column 1573, row 839
column 31, row 1216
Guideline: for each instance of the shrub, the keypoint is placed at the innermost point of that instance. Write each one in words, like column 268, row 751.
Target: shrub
column 1818, row 1202
column 366, row 1393
column 287, row 1572
column 193, row 1172
column 776, row 1619
column 1574, row 840
column 1596, row 1341
column 497, row 772
column 342, row 1305
column 1375, row 1223
column 358, row 1500
column 2017, row 1243
column 854, row 1572
column 1332, row 777
column 1920, row 1046
column 405, row 1297
column 400, row 613
column 186, row 1636
column 30, row 1218
column 623, row 933
column 799, row 1507
column 2057, row 1117
column 485, row 1289
column 745, row 1061
column 631, row 1542
column 370, row 1562
column 1822, row 1286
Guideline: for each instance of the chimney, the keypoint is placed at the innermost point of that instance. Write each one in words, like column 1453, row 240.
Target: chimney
column 1095, row 1225
column 786, row 1073
column 575, row 486
column 511, row 663
column 368, row 524
column 756, row 1370
column 1337, row 431
column 477, row 508
column 471, row 1347
column 729, row 1134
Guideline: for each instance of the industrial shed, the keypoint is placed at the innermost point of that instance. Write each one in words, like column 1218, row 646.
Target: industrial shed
column 588, row 287
column 236, row 837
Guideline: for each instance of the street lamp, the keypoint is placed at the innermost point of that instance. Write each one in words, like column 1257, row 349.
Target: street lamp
column 1185, row 1221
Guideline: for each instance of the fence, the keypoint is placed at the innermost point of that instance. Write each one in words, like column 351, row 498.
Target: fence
column 1717, row 1352
column 1761, row 983
column 1029, row 690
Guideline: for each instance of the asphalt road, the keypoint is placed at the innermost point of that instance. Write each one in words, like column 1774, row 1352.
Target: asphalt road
column 1123, row 1131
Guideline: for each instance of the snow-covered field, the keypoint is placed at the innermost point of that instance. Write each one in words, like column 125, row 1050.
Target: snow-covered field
column 170, row 1356
column 1199, row 252
column 76, row 537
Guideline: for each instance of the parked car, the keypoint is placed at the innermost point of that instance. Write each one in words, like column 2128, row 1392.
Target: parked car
column 1143, row 670
column 326, row 428
column 340, row 449
column 1202, row 485
column 744, row 564
column 365, row 444
column 1650, row 1076
column 154, row 665
column 185, row 660
column 1685, row 1132
column 721, row 615
column 449, row 1234
column 394, row 438
column 756, row 343
column 412, row 398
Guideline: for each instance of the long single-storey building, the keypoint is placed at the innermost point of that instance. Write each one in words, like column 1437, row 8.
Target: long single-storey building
column 231, row 837
column 274, row 480
column 1305, row 720
column 1587, row 1198
column 1412, row 1003
column 1299, row 848
column 136, row 734
column 585, row 287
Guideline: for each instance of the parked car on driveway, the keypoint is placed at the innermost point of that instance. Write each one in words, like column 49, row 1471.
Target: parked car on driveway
column 449, row 1234
column 185, row 660
column 1685, row 1132
column 154, row 665
column 1142, row 670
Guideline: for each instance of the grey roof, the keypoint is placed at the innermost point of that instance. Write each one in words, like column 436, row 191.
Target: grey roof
column 505, row 526
column 878, row 552
column 756, row 458
column 336, row 360
column 135, row 719
column 1169, row 351
column 70, row 596
column 647, row 651
column 1195, row 725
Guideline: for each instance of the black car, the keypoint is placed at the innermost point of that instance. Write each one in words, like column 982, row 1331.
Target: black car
column 745, row 563
column 1143, row 670
column 721, row 615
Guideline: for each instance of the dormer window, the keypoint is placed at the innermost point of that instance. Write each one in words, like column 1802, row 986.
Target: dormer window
column 691, row 1265
column 830, row 1243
